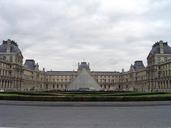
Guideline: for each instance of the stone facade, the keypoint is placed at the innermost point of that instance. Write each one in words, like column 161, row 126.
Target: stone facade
column 11, row 69
column 16, row 76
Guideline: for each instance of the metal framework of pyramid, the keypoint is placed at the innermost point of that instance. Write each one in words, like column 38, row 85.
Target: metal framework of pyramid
column 84, row 82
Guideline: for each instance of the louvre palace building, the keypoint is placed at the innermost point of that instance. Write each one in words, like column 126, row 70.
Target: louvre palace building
column 16, row 75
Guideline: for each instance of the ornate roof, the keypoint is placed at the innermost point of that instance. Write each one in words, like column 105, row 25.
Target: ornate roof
column 30, row 64
column 156, row 48
column 139, row 65
column 13, row 46
column 84, row 65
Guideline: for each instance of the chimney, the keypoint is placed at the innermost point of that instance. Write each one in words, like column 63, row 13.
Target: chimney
column 8, row 46
column 161, row 44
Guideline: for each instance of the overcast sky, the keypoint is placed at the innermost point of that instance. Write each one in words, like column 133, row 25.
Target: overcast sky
column 110, row 34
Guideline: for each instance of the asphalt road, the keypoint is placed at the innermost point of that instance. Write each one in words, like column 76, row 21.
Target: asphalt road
column 28, row 114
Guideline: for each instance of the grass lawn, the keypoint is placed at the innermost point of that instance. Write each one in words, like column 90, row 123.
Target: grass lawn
column 84, row 96
column 87, row 94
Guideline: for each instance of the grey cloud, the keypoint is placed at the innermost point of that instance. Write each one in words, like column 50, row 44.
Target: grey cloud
column 59, row 33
